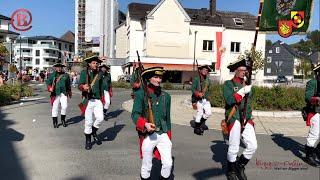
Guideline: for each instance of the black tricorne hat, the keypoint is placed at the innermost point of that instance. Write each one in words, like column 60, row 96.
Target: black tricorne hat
column 241, row 62
column 205, row 66
column 93, row 58
column 153, row 71
column 59, row 65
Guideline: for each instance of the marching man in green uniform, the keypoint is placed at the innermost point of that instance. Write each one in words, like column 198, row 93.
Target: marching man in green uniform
column 92, row 103
column 312, row 98
column 59, row 86
column 151, row 115
column 200, row 98
column 234, row 91
column 106, row 86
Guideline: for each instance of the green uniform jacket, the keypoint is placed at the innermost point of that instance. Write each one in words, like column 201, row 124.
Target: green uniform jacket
column 63, row 86
column 196, row 86
column 106, row 81
column 311, row 95
column 96, row 91
column 230, row 87
column 160, row 107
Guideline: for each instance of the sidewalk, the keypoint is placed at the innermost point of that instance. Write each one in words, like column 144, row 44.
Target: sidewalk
column 286, row 123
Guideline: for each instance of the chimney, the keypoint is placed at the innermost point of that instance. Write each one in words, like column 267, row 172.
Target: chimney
column 213, row 4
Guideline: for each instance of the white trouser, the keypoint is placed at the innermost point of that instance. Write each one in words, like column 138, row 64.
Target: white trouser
column 106, row 99
column 203, row 110
column 63, row 100
column 249, row 139
column 313, row 135
column 164, row 146
column 95, row 108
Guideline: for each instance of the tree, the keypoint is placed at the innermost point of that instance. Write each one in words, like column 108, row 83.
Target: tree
column 314, row 37
column 268, row 43
column 257, row 58
column 3, row 53
column 304, row 66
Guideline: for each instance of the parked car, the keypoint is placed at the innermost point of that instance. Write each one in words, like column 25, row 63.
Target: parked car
column 281, row 79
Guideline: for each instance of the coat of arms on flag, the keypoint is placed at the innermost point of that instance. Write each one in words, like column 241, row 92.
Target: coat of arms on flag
column 285, row 16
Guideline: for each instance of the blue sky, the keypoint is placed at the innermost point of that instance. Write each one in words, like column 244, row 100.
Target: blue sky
column 55, row 17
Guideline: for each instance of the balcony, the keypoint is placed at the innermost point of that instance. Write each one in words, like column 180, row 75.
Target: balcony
column 46, row 46
column 50, row 55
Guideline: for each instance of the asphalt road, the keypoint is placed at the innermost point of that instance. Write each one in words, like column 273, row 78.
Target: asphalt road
column 30, row 148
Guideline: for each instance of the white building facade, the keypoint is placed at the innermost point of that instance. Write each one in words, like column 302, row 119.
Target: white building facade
column 168, row 35
column 42, row 52
column 95, row 21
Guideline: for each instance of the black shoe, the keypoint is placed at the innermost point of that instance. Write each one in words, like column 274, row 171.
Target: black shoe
column 88, row 141
column 197, row 130
column 203, row 125
column 241, row 163
column 311, row 156
column 95, row 136
column 231, row 171
column 55, row 122
column 63, row 120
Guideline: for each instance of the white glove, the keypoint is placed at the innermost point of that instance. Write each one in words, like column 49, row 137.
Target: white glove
column 245, row 90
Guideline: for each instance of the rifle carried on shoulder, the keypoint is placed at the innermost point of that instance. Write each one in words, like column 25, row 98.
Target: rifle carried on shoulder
column 243, row 113
column 147, row 97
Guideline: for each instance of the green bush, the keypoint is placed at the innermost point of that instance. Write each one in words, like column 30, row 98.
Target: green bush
column 121, row 84
column 168, row 86
column 275, row 98
column 9, row 93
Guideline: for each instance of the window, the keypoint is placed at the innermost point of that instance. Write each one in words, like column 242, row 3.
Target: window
column 37, row 52
column 213, row 67
column 235, row 47
column 37, row 61
column 270, row 51
column 65, row 46
column 277, row 49
column 238, row 22
column 207, row 45
column 268, row 70
column 269, row 59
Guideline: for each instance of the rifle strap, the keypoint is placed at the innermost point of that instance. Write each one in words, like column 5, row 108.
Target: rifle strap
column 94, row 81
column 56, row 80
column 234, row 108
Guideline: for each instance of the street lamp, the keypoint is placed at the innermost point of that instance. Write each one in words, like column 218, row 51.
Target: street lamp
column 194, row 49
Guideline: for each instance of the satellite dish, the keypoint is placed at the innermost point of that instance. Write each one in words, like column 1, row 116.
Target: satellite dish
column 88, row 39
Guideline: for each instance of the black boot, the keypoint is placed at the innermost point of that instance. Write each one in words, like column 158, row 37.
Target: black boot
column 318, row 151
column 55, row 122
column 162, row 178
column 231, row 171
column 197, row 130
column 241, row 163
column 311, row 156
column 88, row 141
column 95, row 136
column 145, row 178
column 63, row 120
column 203, row 125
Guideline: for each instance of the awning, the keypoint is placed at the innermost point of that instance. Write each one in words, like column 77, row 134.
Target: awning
column 169, row 67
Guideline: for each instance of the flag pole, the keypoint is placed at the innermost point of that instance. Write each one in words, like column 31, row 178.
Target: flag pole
column 243, row 119
column 258, row 23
